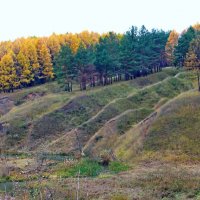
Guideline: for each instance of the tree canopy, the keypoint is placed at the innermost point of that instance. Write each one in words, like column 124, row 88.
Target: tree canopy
column 90, row 58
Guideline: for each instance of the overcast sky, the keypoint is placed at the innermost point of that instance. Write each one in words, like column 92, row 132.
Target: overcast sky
column 43, row 17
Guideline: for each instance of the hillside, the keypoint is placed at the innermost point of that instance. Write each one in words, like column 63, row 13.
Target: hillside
column 35, row 111
column 146, row 129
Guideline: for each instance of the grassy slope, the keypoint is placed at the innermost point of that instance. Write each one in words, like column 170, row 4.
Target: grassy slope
column 53, row 112
column 87, row 128
column 174, row 136
column 143, row 103
column 164, row 149
column 149, row 138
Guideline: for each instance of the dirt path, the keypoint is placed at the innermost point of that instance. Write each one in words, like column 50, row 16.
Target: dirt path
column 101, row 111
column 76, row 130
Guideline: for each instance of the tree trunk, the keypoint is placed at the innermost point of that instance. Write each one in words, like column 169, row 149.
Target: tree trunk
column 93, row 81
column 101, row 79
column 70, row 86
column 67, row 87
column 126, row 76
column 105, row 80
column 198, row 78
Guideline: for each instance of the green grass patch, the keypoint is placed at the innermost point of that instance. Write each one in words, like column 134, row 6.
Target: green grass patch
column 84, row 168
column 91, row 168
column 118, row 166
column 5, row 179
column 126, row 121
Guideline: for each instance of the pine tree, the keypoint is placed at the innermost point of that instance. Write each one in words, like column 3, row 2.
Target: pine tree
column 107, row 57
column 183, row 46
column 128, row 52
column 82, row 60
column 64, row 68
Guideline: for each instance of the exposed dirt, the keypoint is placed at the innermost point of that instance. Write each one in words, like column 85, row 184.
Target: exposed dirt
column 107, row 133
column 54, row 124
column 5, row 105
column 33, row 96
column 69, row 141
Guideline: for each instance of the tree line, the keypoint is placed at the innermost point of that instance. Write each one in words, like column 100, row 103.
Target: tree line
column 184, row 50
column 114, row 57
column 29, row 61
column 92, row 59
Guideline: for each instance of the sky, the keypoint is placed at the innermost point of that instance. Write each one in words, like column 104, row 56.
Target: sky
column 22, row 18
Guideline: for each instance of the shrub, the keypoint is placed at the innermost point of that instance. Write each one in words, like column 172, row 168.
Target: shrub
column 106, row 157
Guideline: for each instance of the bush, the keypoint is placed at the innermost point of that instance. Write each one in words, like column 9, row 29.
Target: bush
column 106, row 157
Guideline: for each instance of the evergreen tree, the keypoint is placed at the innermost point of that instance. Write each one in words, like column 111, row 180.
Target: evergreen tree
column 64, row 67
column 158, row 41
column 83, row 58
column 107, row 57
column 128, row 53
column 183, row 46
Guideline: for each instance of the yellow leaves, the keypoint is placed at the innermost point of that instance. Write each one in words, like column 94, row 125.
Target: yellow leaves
column 45, row 62
column 23, row 61
column 8, row 72
column 27, row 60
column 7, row 62
column 170, row 46
column 74, row 41
column 197, row 26
column 24, row 68
column 53, row 44
column 191, row 61
column 45, row 56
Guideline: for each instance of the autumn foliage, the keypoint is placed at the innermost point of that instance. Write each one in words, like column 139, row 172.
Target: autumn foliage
column 92, row 59
column 26, row 62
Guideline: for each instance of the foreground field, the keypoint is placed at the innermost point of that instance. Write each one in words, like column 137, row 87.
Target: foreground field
column 132, row 140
